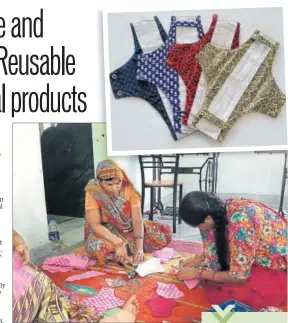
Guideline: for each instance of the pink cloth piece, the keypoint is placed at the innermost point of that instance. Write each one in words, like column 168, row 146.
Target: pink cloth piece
column 160, row 306
column 104, row 300
column 85, row 275
column 55, row 269
column 187, row 247
column 176, row 254
column 169, row 291
column 91, row 263
column 70, row 260
column 191, row 283
column 166, row 254
column 66, row 263
column 22, row 278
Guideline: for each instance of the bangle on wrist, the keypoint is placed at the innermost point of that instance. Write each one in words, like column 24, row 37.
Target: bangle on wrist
column 119, row 244
column 200, row 271
column 138, row 238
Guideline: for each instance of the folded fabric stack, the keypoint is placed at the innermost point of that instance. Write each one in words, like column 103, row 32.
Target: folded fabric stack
column 66, row 263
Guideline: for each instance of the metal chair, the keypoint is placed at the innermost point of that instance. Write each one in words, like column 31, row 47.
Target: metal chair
column 207, row 171
column 160, row 165
column 211, row 174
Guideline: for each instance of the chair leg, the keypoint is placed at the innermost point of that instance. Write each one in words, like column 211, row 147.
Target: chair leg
column 174, row 210
column 180, row 198
column 143, row 200
column 151, row 203
column 216, row 174
column 200, row 181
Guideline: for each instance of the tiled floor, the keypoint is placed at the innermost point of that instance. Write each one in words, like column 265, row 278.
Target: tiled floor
column 72, row 230
column 63, row 218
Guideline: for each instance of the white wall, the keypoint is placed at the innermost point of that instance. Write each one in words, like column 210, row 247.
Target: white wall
column 253, row 174
column 129, row 163
column 29, row 207
column 247, row 173
column 99, row 142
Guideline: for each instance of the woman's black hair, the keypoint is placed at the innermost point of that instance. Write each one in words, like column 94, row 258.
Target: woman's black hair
column 194, row 209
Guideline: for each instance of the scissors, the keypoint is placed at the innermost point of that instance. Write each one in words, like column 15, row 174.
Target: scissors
column 131, row 269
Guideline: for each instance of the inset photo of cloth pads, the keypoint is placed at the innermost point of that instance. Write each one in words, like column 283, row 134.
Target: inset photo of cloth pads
column 197, row 79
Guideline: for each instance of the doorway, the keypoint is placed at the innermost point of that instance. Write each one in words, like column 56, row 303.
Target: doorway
column 70, row 153
column 68, row 164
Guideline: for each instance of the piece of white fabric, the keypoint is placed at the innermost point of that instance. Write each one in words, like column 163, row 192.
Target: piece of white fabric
column 208, row 128
column 150, row 266
column 236, row 84
column 232, row 90
column 148, row 35
column 186, row 35
column 223, row 36
column 224, row 33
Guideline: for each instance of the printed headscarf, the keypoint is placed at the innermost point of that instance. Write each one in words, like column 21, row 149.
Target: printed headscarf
column 107, row 169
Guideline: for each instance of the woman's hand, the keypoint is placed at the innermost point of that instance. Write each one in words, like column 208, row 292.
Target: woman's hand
column 138, row 256
column 127, row 314
column 132, row 306
column 187, row 273
column 23, row 252
column 121, row 254
column 192, row 261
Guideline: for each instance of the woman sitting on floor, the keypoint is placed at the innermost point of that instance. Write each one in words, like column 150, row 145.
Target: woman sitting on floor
column 114, row 227
column 37, row 299
column 245, row 255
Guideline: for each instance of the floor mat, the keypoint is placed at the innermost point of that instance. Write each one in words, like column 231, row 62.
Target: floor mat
column 185, row 309
column 188, row 309
column 178, row 245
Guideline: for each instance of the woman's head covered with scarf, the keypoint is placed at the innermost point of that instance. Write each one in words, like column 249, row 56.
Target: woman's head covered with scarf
column 111, row 177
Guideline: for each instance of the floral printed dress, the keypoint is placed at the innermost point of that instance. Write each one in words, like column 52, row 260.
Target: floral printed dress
column 257, row 236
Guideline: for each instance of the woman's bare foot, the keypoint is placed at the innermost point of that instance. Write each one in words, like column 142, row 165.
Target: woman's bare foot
column 132, row 305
